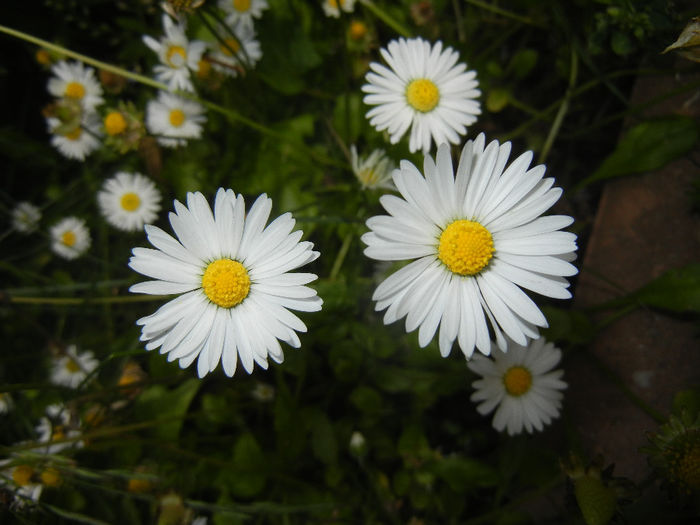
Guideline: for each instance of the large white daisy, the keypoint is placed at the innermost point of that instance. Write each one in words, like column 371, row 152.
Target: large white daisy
column 72, row 368
column 78, row 142
column 242, row 11
column 70, row 238
column 475, row 239
column 25, row 217
column 233, row 55
column 520, row 385
column 128, row 201
column 177, row 54
column 233, row 274
column 174, row 119
column 373, row 171
column 423, row 88
column 332, row 8
column 76, row 81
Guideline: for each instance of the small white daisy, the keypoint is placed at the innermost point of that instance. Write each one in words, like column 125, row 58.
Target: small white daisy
column 26, row 217
column 233, row 274
column 177, row 54
column 242, row 11
column 79, row 142
column 6, row 403
column 521, row 384
column 76, row 81
column 475, row 238
column 70, row 238
column 374, row 171
column 234, row 54
column 423, row 88
column 173, row 119
column 332, row 7
column 72, row 368
column 54, row 427
column 21, row 479
column 128, row 201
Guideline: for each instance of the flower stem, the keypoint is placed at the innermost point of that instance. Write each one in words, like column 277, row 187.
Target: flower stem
column 503, row 12
column 386, row 18
column 67, row 301
column 342, row 253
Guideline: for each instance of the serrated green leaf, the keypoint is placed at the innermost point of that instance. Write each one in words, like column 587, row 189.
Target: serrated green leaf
column 648, row 146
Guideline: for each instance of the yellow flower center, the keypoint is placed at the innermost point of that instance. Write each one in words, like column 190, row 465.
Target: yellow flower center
column 230, row 47
column 465, row 247
column 226, row 283
column 203, row 68
column 75, row 134
column 22, row 475
column 176, row 56
column 130, row 201
column 177, row 117
column 51, row 477
column 138, row 485
column 57, row 433
column 42, row 56
column 115, row 123
column 72, row 366
column 368, row 177
column 357, row 30
column 241, row 5
column 74, row 90
column 336, row 3
column 517, row 380
column 68, row 238
column 422, row 95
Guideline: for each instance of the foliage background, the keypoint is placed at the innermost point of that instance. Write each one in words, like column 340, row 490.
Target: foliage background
column 428, row 457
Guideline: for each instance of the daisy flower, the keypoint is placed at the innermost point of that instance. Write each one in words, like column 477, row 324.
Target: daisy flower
column 235, row 54
column 56, row 426
column 25, row 217
column 79, row 142
column 423, row 88
column 174, row 119
column 242, row 11
column 233, row 277
column 21, row 479
column 521, row 383
column 373, row 171
column 177, row 54
column 76, row 81
column 70, row 238
column 128, row 201
column 72, row 368
column 332, row 7
column 474, row 239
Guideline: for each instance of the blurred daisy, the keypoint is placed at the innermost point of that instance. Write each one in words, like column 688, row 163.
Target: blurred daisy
column 55, row 427
column 6, row 403
column 233, row 55
column 177, row 54
column 233, row 274
column 242, row 11
column 72, row 368
column 70, row 238
column 520, row 385
column 373, row 171
column 423, row 88
column 174, row 119
column 475, row 239
column 78, row 142
column 76, row 81
column 25, row 217
column 333, row 7
column 128, row 201
column 22, row 480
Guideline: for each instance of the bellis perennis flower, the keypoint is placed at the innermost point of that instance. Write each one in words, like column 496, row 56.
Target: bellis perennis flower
column 475, row 238
column 233, row 276
column 128, row 201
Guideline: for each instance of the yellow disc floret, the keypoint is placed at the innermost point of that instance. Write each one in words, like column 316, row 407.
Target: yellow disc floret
column 72, row 365
column 51, row 477
column 517, row 380
column 241, row 5
column 177, row 117
column 465, row 247
column 226, row 283
column 230, row 46
column 130, row 201
column 357, row 30
column 74, row 90
column 176, row 56
column 68, row 238
column 22, row 475
column 114, row 123
column 74, row 134
column 422, row 95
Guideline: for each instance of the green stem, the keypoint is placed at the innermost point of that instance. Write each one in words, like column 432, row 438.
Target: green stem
column 503, row 12
column 65, row 301
column 559, row 119
column 342, row 253
column 386, row 18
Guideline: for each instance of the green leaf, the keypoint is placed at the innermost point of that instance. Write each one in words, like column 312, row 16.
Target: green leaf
column 157, row 402
column 413, row 442
column 249, row 476
column 323, row 442
column 366, row 399
column 648, row 146
column 567, row 325
column 676, row 290
column 348, row 116
column 497, row 100
column 522, row 62
column 462, row 473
